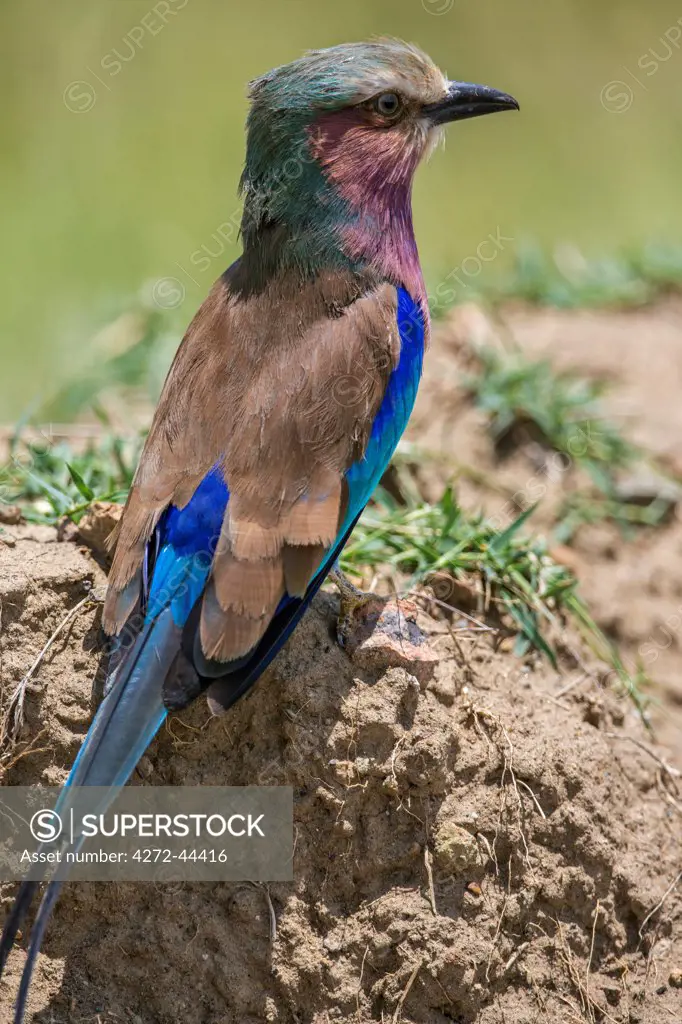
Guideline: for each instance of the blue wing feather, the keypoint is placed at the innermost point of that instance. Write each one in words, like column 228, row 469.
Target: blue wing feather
column 362, row 479
column 394, row 412
column 188, row 536
column 176, row 569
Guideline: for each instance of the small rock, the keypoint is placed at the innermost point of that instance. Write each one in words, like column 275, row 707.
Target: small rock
column 10, row 515
column 97, row 524
column 456, row 849
column 385, row 634
column 675, row 979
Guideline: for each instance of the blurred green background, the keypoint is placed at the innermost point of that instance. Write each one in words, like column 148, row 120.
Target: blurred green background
column 122, row 145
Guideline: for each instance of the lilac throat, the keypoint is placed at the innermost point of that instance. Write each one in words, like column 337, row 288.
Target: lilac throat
column 373, row 171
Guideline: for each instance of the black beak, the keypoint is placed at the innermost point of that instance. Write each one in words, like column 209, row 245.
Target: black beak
column 464, row 100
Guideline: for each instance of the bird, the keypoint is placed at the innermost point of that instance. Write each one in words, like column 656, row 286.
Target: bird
column 283, row 405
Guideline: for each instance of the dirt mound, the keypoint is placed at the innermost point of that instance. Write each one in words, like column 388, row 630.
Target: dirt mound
column 477, row 848
column 631, row 585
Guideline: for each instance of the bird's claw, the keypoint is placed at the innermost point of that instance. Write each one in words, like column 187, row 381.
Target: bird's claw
column 353, row 602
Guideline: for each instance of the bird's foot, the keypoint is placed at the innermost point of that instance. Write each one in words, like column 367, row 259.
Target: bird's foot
column 354, row 607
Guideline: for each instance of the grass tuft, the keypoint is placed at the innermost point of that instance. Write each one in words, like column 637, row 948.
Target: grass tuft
column 51, row 479
column 564, row 408
column 526, row 400
column 527, row 591
column 569, row 280
column 532, row 594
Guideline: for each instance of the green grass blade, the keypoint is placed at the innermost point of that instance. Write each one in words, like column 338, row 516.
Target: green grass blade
column 80, row 483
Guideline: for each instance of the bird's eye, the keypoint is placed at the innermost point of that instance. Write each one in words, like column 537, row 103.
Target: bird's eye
column 388, row 104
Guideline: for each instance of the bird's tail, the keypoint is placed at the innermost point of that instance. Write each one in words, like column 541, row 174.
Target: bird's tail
column 126, row 722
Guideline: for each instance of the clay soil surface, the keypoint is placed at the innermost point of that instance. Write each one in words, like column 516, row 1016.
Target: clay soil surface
column 477, row 839
column 634, row 587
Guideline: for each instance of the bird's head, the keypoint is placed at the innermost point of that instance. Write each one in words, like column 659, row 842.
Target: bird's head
column 338, row 134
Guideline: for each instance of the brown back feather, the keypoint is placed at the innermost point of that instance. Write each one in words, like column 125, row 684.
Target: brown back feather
column 281, row 387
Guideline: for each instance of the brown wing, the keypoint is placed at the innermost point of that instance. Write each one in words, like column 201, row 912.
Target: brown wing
column 281, row 388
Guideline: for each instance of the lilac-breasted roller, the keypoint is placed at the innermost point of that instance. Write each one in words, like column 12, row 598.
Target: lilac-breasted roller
column 284, row 403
